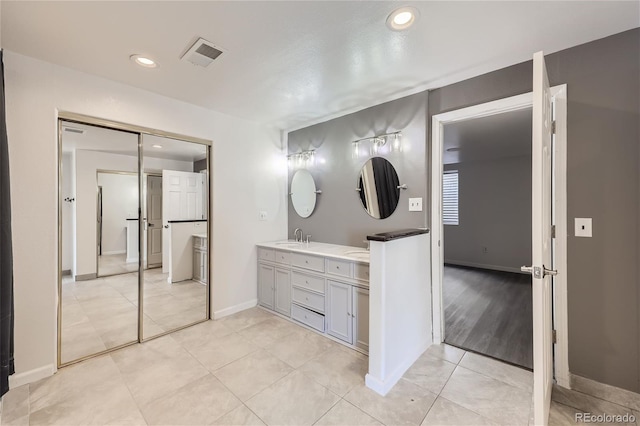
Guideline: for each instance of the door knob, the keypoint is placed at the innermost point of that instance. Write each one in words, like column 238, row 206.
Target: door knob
column 538, row 272
column 150, row 224
column 546, row 271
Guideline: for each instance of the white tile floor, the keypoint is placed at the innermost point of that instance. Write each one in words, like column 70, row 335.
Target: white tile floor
column 103, row 313
column 112, row 264
column 255, row 368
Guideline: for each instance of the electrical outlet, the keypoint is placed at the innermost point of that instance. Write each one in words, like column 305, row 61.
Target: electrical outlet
column 415, row 204
column 263, row 215
column 583, row 227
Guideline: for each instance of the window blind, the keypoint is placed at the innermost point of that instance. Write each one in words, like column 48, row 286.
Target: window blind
column 450, row 198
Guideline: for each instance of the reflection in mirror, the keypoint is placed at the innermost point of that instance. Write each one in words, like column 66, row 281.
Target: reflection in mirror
column 175, row 234
column 378, row 187
column 303, row 193
column 98, row 205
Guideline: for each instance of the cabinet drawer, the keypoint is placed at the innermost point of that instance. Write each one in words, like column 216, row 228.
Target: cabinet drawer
column 308, row 262
column 341, row 268
column 200, row 243
column 266, row 254
column 283, row 257
column 310, row 300
column 307, row 317
column 307, row 281
column 361, row 271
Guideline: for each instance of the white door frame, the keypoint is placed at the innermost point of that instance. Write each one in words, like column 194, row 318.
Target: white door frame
column 499, row 106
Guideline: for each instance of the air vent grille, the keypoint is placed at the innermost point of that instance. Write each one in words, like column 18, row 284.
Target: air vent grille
column 202, row 53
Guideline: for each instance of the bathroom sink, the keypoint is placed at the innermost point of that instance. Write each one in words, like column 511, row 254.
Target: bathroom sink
column 289, row 244
column 357, row 253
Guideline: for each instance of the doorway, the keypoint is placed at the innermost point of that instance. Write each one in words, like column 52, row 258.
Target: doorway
column 486, row 195
column 549, row 226
column 154, row 221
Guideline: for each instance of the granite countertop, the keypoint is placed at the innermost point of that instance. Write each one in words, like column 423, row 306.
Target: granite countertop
column 355, row 254
column 394, row 235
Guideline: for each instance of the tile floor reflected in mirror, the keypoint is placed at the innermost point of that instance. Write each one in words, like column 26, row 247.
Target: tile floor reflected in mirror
column 113, row 264
column 103, row 313
column 253, row 368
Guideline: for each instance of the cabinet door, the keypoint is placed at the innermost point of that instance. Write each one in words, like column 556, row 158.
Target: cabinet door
column 339, row 321
column 197, row 265
column 361, row 318
column 283, row 292
column 266, row 278
column 204, row 266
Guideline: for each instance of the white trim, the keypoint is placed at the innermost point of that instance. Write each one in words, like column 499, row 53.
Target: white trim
column 109, row 253
column 499, row 106
column 560, row 305
column 235, row 309
column 31, row 376
column 383, row 387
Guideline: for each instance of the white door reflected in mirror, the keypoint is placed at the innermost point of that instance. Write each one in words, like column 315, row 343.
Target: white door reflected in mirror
column 303, row 193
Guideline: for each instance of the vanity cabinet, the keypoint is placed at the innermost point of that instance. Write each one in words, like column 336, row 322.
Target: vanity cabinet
column 200, row 266
column 348, row 313
column 327, row 294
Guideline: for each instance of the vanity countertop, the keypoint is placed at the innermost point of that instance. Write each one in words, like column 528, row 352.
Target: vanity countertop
column 356, row 254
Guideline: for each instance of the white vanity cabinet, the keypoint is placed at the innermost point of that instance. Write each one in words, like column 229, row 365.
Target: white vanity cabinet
column 323, row 292
column 348, row 313
column 200, row 266
column 274, row 283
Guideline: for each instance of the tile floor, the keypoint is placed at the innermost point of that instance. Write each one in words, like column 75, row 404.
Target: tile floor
column 254, row 368
column 111, row 264
column 103, row 313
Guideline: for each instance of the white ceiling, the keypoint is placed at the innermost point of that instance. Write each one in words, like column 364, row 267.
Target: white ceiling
column 124, row 143
column 488, row 138
column 290, row 64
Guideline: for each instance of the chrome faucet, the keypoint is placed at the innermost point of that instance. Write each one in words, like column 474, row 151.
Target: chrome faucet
column 295, row 235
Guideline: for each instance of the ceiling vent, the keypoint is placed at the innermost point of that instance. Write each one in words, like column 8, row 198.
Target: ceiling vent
column 202, row 53
column 73, row 130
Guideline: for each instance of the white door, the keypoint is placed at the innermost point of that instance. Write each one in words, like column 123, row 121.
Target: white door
column 361, row 318
column 181, row 200
column 541, row 242
column 154, row 221
column 266, row 283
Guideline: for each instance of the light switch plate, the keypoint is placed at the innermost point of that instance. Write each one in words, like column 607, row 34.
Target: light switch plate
column 583, row 226
column 263, row 215
column 415, row 204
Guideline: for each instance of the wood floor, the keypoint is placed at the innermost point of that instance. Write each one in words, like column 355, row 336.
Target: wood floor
column 489, row 312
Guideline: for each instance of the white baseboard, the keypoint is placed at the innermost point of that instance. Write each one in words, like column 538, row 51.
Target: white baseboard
column 234, row 309
column 31, row 376
column 107, row 253
column 383, row 387
column 483, row 266
column 609, row 393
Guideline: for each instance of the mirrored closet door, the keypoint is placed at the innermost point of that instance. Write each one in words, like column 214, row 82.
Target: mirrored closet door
column 133, row 236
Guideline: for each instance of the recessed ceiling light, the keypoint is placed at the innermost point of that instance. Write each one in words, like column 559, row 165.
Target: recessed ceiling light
column 402, row 18
column 143, row 61
column 157, row 146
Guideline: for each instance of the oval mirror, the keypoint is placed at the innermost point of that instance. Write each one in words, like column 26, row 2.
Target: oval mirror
column 303, row 193
column 378, row 187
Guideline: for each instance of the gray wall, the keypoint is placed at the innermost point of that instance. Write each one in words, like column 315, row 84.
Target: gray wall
column 494, row 208
column 339, row 217
column 603, row 80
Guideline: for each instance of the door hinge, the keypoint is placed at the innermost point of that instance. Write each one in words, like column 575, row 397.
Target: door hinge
column 554, row 337
column 553, row 231
column 553, row 127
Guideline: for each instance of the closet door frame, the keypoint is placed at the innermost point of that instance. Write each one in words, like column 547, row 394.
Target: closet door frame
column 70, row 117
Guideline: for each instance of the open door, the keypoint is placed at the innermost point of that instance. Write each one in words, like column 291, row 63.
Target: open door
column 541, row 242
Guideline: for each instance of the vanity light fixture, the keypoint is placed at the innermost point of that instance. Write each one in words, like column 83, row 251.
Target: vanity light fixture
column 302, row 159
column 377, row 142
column 402, row 18
column 143, row 61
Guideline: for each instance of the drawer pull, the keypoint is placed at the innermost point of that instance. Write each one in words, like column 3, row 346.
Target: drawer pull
column 306, row 261
column 337, row 267
column 307, row 298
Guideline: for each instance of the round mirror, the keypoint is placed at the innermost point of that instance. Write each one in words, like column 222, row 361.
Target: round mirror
column 378, row 187
column 303, row 193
